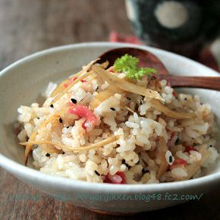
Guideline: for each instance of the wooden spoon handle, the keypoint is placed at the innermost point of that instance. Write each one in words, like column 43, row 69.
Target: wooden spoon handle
column 209, row 82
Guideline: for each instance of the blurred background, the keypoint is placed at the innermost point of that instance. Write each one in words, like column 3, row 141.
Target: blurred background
column 28, row 26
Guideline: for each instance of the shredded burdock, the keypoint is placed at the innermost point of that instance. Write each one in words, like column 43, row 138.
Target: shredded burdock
column 65, row 148
column 103, row 95
column 28, row 148
column 156, row 99
column 71, row 81
column 124, row 84
column 161, row 154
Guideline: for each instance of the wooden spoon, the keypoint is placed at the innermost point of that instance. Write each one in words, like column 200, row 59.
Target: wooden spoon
column 147, row 59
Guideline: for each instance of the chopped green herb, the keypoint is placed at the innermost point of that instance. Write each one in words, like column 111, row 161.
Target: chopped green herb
column 129, row 65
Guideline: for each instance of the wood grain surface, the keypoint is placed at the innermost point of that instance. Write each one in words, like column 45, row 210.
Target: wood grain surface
column 27, row 26
column 208, row 82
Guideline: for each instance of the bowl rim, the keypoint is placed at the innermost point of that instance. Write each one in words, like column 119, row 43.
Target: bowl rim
column 20, row 170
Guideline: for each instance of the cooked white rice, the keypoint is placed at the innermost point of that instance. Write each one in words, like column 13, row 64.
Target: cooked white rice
column 139, row 126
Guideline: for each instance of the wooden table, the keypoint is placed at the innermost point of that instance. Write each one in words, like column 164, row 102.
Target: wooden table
column 27, row 26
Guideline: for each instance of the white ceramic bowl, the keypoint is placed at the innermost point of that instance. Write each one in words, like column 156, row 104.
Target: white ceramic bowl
column 23, row 81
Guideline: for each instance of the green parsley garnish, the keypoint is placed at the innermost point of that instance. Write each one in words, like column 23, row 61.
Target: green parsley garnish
column 129, row 65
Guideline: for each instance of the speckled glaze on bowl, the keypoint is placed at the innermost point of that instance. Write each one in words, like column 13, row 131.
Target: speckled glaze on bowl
column 181, row 26
column 23, row 81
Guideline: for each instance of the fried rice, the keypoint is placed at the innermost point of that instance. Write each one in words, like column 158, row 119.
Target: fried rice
column 97, row 126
